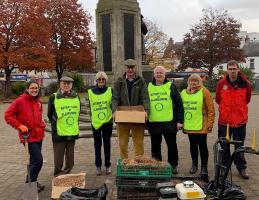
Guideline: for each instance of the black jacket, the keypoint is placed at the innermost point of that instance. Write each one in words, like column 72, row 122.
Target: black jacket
column 52, row 115
column 158, row 127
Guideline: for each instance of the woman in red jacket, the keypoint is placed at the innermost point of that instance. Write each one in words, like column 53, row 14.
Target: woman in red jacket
column 25, row 115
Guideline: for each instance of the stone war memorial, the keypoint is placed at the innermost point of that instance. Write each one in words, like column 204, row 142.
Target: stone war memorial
column 118, row 35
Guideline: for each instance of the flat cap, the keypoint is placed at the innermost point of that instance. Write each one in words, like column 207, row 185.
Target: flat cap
column 130, row 62
column 66, row 79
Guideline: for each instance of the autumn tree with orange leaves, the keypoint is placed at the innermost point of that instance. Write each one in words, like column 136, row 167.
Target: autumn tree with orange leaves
column 24, row 37
column 71, row 38
column 214, row 40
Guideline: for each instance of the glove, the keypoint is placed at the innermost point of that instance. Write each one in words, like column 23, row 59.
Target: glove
column 23, row 129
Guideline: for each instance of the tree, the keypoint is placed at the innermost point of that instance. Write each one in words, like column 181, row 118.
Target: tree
column 24, row 37
column 155, row 41
column 214, row 40
column 71, row 37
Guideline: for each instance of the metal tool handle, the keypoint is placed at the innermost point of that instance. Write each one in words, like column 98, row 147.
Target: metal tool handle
column 26, row 144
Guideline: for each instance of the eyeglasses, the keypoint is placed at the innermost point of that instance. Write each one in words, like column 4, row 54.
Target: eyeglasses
column 33, row 88
column 232, row 69
column 101, row 79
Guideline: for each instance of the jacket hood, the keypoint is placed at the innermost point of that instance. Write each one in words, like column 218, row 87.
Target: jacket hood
column 241, row 82
column 240, row 74
column 72, row 94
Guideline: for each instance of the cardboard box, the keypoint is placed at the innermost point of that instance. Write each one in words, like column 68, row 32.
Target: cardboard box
column 130, row 114
column 57, row 190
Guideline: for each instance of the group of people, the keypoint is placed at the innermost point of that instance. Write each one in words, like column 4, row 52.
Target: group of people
column 166, row 110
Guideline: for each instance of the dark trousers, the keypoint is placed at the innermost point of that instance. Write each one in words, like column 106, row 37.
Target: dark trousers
column 170, row 139
column 239, row 134
column 61, row 150
column 36, row 160
column 198, row 142
column 103, row 133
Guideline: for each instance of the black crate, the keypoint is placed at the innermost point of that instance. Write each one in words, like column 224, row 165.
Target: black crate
column 136, row 194
column 137, row 182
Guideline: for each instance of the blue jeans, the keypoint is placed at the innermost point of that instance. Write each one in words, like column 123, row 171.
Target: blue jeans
column 36, row 160
column 103, row 133
column 239, row 134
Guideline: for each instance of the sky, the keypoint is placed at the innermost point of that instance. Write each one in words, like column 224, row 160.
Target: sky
column 175, row 17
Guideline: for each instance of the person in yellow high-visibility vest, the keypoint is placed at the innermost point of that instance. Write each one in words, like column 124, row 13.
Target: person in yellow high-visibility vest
column 165, row 117
column 63, row 113
column 100, row 100
column 199, row 117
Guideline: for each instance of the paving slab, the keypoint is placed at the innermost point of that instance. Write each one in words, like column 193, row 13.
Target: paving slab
column 13, row 165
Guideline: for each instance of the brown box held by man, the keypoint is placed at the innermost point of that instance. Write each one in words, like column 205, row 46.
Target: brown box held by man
column 64, row 182
column 130, row 114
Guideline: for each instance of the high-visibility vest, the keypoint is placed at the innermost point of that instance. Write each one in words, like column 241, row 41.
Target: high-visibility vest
column 161, row 104
column 67, row 110
column 192, row 104
column 100, row 107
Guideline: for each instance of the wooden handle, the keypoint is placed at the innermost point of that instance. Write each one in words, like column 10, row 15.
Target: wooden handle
column 27, row 153
column 227, row 134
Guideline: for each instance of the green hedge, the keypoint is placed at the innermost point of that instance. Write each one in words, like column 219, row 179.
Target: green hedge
column 18, row 87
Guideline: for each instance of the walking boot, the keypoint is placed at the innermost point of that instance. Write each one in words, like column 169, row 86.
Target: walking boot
column 108, row 170
column 204, row 173
column 243, row 173
column 193, row 169
column 174, row 170
column 40, row 187
column 98, row 171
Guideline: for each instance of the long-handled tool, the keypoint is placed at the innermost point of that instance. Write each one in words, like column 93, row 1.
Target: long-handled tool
column 30, row 190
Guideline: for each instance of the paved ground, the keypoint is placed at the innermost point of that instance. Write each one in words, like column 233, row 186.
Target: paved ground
column 13, row 167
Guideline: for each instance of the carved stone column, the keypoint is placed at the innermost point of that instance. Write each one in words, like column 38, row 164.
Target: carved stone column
column 118, row 35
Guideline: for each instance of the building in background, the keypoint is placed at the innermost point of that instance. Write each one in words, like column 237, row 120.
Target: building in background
column 252, row 37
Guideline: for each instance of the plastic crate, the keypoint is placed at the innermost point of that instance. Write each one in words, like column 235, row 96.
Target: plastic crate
column 138, row 182
column 136, row 194
column 144, row 171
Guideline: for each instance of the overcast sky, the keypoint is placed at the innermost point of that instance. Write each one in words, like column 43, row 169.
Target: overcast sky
column 175, row 17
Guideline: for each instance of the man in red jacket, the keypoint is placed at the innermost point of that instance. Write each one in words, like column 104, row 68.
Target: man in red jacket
column 233, row 94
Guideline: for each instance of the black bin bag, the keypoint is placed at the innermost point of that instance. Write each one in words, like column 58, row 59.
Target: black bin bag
column 85, row 194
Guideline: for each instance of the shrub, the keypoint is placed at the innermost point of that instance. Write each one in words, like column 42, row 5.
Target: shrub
column 78, row 84
column 51, row 88
column 18, row 87
column 211, row 84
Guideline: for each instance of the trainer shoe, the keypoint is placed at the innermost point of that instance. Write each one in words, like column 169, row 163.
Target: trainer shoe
column 108, row 170
column 98, row 171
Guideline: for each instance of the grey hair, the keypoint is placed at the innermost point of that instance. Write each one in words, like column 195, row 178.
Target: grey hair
column 159, row 67
column 196, row 77
column 101, row 74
